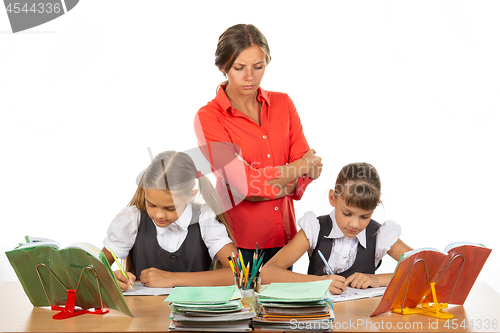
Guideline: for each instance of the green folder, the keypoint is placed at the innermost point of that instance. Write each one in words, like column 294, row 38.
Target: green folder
column 297, row 291
column 42, row 269
column 207, row 295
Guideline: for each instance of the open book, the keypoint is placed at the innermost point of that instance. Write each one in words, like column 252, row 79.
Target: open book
column 453, row 271
column 32, row 242
column 47, row 271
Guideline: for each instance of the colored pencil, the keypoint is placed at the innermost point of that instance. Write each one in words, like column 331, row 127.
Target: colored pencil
column 231, row 264
column 120, row 266
column 246, row 273
column 255, row 255
column 242, row 263
column 254, row 272
column 236, row 266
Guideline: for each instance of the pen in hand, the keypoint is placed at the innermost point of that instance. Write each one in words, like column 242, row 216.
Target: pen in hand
column 120, row 266
column 327, row 265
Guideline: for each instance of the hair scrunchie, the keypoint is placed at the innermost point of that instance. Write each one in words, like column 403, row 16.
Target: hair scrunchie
column 198, row 176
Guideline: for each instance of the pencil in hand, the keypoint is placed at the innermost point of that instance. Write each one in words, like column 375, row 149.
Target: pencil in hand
column 120, row 266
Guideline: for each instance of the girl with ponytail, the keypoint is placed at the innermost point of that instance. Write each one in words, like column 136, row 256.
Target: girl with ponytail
column 168, row 239
column 351, row 243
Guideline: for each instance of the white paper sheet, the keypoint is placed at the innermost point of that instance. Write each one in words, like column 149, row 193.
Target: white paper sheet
column 353, row 293
column 142, row 290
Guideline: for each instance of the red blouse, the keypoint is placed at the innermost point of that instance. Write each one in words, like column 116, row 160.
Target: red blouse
column 245, row 155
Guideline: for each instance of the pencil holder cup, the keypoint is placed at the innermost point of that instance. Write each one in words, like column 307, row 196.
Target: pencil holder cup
column 249, row 294
column 249, row 297
column 256, row 283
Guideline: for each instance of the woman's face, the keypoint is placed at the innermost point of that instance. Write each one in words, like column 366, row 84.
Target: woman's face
column 247, row 71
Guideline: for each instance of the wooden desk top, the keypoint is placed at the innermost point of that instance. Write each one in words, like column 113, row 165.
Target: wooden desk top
column 482, row 309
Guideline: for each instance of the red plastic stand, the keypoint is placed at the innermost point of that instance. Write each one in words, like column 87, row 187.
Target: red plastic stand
column 69, row 309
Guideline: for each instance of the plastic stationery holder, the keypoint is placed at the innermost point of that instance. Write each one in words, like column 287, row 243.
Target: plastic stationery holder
column 69, row 309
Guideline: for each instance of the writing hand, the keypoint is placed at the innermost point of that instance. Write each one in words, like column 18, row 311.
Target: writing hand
column 338, row 285
column 123, row 282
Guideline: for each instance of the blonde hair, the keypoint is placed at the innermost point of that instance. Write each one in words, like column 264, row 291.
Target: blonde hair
column 359, row 185
column 176, row 171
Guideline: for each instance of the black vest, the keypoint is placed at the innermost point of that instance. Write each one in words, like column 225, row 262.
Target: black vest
column 192, row 256
column 365, row 257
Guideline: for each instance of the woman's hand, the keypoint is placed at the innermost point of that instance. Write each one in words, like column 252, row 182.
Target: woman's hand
column 154, row 277
column 338, row 285
column 314, row 165
column 363, row 281
column 123, row 282
column 284, row 191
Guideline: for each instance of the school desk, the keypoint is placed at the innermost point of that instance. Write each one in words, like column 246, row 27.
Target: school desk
column 482, row 309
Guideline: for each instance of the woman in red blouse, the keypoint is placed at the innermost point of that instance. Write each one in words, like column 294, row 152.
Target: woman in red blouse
column 254, row 142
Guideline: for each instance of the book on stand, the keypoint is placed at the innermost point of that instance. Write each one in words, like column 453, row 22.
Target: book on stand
column 427, row 280
column 76, row 279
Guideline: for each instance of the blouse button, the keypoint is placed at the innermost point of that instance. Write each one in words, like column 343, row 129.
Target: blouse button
column 268, row 155
column 275, row 208
column 264, row 137
column 159, row 253
column 172, row 257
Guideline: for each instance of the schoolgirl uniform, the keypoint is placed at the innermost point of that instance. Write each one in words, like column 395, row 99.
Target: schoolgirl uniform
column 187, row 245
column 346, row 256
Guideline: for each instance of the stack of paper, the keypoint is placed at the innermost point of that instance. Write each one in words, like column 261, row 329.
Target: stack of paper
column 304, row 306
column 216, row 309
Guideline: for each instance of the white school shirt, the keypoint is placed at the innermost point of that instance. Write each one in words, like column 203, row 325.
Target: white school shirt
column 345, row 249
column 123, row 230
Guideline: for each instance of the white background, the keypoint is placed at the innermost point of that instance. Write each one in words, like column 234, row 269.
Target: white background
column 411, row 87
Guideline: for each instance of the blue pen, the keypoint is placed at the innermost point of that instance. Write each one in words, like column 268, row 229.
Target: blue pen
column 330, row 270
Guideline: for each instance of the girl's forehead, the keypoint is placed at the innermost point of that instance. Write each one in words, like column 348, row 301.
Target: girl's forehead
column 353, row 208
column 163, row 198
column 157, row 196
